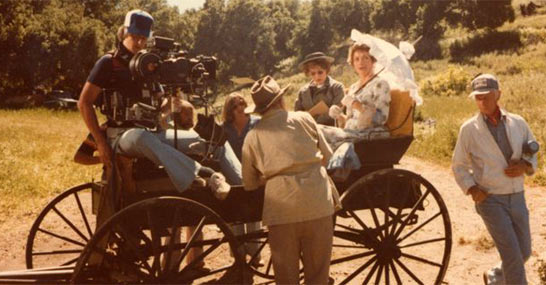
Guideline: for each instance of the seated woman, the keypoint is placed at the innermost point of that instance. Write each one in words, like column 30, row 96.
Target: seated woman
column 367, row 104
column 236, row 125
column 322, row 92
column 368, row 99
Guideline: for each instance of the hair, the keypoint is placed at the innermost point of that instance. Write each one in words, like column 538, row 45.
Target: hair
column 356, row 47
column 321, row 62
column 122, row 33
column 230, row 105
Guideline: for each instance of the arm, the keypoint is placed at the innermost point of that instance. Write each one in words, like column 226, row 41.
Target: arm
column 89, row 94
column 461, row 166
column 298, row 105
column 324, row 147
column 525, row 165
column 461, row 163
column 252, row 178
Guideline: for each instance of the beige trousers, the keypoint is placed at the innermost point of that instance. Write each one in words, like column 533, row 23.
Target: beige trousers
column 312, row 240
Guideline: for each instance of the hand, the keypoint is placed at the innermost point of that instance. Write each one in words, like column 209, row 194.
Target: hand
column 335, row 111
column 515, row 168
column 105, row 153
column 478, row 194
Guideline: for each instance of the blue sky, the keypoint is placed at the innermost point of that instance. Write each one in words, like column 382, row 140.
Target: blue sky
column 183, row 5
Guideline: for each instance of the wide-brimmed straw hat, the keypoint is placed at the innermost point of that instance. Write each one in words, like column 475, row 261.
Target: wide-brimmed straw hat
column 264, row 93
column 315, row 56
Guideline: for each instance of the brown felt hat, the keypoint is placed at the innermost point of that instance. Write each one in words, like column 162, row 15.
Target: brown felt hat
column 264, row 93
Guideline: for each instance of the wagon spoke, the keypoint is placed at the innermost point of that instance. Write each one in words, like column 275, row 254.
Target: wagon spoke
column 398, row 217
column 202, row 255
column 421, row 259
column 192, row 240
column 269, row 266
column 67, row 251
column 69, row 223
column 71, row 261
column 255, row 255
column 117, row 259
column 127, row 240
column 348, row 246
column 348, row 228
column 156, row 244
column 360, row 269
column 423, row 242
column 420, row 226
column 374, row 215
column 387, row 277
column 405, row 222
column 371, row 273
column 62, row 237
column 84, row 217
column 352, row 257
column 379, row 272
column 386, row 206
column 367, row 230
column 395, row 273
column 409, row 272
column 174, row 228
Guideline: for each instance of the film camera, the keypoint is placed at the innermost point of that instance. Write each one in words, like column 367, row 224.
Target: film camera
column 165, row 63
column 161, row 68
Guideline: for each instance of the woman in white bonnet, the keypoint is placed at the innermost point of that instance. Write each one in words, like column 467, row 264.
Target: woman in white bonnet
column 368, row 99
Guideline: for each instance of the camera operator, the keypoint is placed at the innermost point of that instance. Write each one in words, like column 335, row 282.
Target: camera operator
column 111, row 71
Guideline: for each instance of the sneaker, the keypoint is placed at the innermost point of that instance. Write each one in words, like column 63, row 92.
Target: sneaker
column 220, row 188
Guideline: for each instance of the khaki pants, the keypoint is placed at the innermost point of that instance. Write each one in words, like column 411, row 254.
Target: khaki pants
column 312, row 239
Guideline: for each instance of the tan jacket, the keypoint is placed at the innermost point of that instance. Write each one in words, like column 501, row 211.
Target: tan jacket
column 284, row 151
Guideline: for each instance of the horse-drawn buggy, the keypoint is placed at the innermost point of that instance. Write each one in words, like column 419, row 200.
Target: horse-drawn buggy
column 393, row 228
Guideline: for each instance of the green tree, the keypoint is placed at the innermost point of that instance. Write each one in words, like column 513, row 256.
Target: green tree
column 476, row 14
column 318, row 33
column 346, row 15
column 248, row 39
column 211, row 18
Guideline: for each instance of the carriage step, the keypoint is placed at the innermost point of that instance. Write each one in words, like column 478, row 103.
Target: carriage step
column 49, row 275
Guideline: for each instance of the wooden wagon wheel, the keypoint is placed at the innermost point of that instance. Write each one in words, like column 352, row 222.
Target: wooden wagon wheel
column 62, row 229
column 394, row 228
column 139, row 245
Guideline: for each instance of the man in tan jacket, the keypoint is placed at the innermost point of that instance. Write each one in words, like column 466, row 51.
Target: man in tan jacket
column 286, row 152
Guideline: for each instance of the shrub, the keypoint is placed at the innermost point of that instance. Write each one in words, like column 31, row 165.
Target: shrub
column 484, row 42
column 451, row 82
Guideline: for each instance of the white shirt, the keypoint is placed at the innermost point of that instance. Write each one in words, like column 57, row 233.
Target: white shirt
column 477, row 159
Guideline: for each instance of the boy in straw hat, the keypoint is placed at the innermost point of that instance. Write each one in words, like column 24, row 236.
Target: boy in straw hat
column 286, row 152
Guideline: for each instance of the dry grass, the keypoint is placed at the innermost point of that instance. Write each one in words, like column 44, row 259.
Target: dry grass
column 37, row 148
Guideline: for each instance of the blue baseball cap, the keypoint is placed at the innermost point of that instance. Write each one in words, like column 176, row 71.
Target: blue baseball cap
column 484, row 84
column 139, row 23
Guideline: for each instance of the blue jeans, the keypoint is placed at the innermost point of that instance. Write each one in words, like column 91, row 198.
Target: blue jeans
column 159, row 148
column 507, row 220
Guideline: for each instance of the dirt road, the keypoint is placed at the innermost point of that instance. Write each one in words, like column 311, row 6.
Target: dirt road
column 472, row 252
